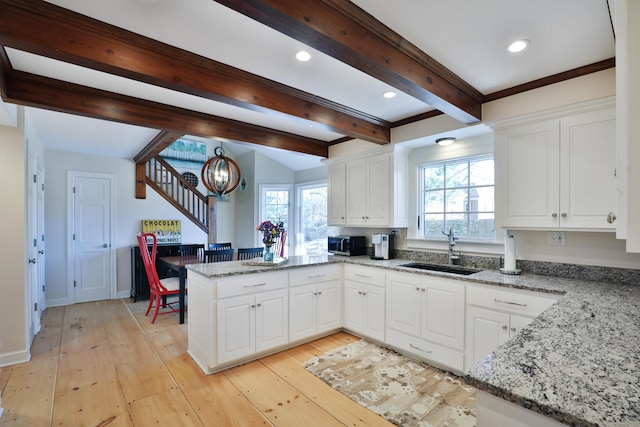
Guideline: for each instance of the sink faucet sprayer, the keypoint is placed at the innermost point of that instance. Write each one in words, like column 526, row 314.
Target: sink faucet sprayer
column 453, row 259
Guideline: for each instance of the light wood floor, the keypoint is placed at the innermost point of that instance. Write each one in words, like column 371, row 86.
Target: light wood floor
column 104, row 364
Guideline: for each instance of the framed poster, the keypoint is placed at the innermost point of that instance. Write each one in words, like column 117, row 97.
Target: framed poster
column 167, row 231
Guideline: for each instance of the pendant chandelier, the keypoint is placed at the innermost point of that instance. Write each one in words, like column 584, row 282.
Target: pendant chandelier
column 220, row 174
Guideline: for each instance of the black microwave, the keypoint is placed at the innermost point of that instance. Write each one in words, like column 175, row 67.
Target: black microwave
column 347, row 245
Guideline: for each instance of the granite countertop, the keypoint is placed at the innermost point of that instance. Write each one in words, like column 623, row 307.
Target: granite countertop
column 578, row 362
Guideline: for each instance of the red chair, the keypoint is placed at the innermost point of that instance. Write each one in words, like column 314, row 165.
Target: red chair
column 160, row 289
column 279, row 245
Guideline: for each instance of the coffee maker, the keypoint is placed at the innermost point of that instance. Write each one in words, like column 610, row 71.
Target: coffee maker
column 381, row 246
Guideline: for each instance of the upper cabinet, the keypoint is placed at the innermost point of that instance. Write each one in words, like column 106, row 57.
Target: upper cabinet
column 558, row 173
column 369, row 191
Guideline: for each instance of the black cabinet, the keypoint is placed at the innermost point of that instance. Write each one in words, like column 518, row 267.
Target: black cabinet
column 139, row 282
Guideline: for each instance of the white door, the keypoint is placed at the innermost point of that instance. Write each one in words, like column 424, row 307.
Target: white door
column 328, row 306
column 92, row 223
column 272, row 320
column 486, row 330
column 302, row 312
column 41, row 242
column 33, row 270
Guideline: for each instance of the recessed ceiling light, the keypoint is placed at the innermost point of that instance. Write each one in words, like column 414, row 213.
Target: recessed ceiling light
column 303, row 56
column 389, row 94
column 445, row 141
column 518, row 46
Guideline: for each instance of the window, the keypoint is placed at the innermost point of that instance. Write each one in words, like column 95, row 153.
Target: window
column 275, row 206
column 312, row 219
column 458, row 194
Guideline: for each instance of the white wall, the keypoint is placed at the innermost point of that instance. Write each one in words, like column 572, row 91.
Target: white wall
column 129, row 214
column 13, row 251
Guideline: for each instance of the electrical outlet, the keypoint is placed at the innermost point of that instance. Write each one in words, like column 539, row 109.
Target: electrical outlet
column 556, row 238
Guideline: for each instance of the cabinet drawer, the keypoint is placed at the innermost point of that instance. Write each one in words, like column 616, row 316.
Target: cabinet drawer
column 426, row 350
column 308, row 275
column 372, row 276
column 245, row 284
column 511, row 301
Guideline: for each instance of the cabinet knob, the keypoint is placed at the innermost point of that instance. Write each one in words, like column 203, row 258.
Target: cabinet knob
column 513, row 329
column 611, row 218
column 319, row 293
column 417, row 289
column 554, row 215
column 252, row 306
column 505, row 327
column 259, row 305
column 564, row 215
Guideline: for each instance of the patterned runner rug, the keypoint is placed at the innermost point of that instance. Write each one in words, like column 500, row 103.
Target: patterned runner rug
column 404, row 391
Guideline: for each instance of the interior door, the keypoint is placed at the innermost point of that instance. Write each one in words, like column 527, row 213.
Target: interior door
column 33, row 270
column 92, row 223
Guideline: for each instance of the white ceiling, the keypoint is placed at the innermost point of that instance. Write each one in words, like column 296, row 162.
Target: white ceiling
column 466, row 36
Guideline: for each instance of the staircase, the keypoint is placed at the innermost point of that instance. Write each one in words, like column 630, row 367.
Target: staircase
column 177, row 191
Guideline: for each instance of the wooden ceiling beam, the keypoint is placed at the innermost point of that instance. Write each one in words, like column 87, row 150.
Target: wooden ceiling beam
column 45, row 29
column 42, row 92
column 344, row 31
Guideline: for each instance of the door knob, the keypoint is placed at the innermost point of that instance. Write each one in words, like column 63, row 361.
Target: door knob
column 41, row 252
column 104, row 245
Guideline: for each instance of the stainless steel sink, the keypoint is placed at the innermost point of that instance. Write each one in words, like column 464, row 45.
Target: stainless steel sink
column 444, row 268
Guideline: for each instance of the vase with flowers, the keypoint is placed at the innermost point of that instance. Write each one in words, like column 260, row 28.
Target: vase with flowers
column 270, row 234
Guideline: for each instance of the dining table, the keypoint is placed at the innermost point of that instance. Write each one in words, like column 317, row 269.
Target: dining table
column 179, row 264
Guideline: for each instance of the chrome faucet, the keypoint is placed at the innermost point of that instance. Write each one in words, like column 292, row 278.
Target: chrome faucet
column 453, row 259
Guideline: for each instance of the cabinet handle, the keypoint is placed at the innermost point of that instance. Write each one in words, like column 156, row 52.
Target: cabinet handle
column 611, row 218
column 259, row 305
column 513, row 329
column 419, row 349
column 256, row 285
column 252, row 306
column 317, row 276
column 364, row 294
column 319, row 293
column 509, row 302
column 564, row 215
column 363, row 276
column 504, row 327
column 554, row 215
column 359, row 292
column 417, row 289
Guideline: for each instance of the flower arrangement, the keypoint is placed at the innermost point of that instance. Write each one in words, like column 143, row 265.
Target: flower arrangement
column 270, row 231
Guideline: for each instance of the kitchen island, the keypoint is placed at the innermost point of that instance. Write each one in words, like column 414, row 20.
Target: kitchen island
column 577, row 363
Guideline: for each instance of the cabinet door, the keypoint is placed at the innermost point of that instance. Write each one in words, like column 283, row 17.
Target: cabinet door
column 353, row 306
column 328, row 306
column 272, row 319
column 588, row 182
column 527, row 171
column 302, row 312
column 486, row 330
column 516, row 323
column 374, row 319
column 443, row 312
column 337, row 187
column 378, row 190
column 236, row 327
column 357, row 192
column 404, row 300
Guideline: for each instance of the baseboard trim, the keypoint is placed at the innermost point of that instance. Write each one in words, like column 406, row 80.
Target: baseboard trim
column 8, row 359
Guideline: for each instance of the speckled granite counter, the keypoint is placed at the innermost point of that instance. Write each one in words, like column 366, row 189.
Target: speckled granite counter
column 578, row 362
column 232, row 268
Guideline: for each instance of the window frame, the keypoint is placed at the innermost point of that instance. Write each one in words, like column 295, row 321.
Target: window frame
column 263, row 188
column 299, row 188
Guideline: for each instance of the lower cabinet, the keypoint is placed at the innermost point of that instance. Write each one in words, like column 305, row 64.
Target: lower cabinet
column 425, row 317
column 252, row 323
column 315, row 301
column 495, row 315
column 364, row 301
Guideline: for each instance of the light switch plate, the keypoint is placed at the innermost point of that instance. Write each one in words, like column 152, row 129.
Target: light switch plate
column 556, row 238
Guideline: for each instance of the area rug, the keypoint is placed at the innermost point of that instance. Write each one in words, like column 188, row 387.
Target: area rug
column 404, row 391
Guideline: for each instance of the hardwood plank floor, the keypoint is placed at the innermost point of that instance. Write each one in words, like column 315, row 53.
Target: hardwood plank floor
column 104, row 364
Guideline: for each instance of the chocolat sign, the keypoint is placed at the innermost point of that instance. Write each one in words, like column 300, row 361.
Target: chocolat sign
column 167, row 231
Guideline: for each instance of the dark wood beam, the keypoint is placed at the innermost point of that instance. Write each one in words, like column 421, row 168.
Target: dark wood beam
column 5, row 70
column 42, row 92
column 45, row 29
column 161, row 141
column 344, row 31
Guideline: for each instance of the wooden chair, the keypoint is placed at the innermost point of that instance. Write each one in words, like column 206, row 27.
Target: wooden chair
column 218, row 246
column 279, row 245
column 219, row 255
column 249, row 253
column 191, row 250
column 159, row 289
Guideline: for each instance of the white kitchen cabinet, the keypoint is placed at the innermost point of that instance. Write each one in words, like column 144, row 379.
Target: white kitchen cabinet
column 495, row 315
column 557, row 173
column 315, row 301
column 374, row 191
column 252, row 323
column 425, row 316
column 337, row 194
column 364, row 297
